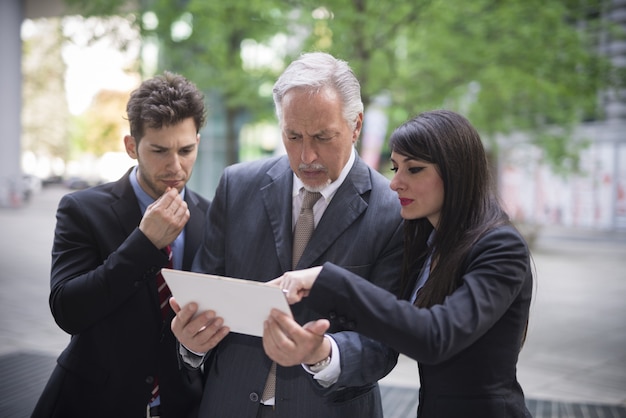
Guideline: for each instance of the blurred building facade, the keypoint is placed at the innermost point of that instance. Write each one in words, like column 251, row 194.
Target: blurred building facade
column 14, row 187
column 596, row 197
column 11, row 16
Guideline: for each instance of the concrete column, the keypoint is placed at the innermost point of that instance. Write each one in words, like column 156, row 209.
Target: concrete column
column 11, row 15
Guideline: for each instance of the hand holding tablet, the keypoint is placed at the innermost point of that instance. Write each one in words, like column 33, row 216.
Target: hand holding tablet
column 244, row 304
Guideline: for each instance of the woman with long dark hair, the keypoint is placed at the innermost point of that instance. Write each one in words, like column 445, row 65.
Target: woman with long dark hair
column 467, row 278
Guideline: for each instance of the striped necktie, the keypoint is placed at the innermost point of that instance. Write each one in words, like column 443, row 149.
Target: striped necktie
column 164, row 296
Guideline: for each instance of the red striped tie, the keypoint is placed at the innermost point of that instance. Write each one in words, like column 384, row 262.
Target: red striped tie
column 164, row 296
column 164, row 291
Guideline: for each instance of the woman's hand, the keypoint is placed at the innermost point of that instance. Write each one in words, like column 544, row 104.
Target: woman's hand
column 297, row 284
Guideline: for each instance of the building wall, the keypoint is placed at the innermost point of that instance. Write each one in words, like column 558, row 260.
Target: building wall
column 11, row 186
column 594, row 198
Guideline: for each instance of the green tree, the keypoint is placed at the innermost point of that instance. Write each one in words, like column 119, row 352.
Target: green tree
column 209, row 49
column 101, row 127
column 524, row 66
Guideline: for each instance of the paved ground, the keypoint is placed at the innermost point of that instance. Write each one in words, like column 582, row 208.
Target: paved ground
column 573, row 364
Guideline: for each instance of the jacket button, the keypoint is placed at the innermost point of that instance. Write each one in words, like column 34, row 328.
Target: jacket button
column 351, row 325
column 332, row 315
column 150, row 380
column 254, row 397
column 342, row 320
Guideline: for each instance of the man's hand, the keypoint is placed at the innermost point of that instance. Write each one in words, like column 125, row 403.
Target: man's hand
column 198, row 334
column 289, row 344
column 165, row 218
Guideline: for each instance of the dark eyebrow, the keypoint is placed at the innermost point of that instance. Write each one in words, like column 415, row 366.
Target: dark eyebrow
column 405, row 159
column 159, row 147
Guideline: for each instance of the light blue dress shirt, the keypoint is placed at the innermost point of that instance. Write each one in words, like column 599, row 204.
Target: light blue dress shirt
column 425, row 273
column 178, row 246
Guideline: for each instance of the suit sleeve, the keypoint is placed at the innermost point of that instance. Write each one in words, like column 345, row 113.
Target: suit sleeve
column 209, row 258
column 85, row 289
column 365, row 360
column 497, row 270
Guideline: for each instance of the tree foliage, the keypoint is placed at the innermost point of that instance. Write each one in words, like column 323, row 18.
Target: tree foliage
column 530, row 66
column 211, row 54
column 519, row 65
column 99, row 129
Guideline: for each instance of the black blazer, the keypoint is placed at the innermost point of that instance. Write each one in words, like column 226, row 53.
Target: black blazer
column 467, row 348
column 103, row 293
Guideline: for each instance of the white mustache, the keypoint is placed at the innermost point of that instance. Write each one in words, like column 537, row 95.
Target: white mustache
column 316, row 167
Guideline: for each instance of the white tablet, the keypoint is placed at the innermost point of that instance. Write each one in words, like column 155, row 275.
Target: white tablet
column 244, row 304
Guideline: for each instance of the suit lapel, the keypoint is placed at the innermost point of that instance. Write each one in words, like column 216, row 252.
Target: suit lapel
column 126, row 208
column 128, row 213
column 344, row 209
column 276, row 196
column 193, row 230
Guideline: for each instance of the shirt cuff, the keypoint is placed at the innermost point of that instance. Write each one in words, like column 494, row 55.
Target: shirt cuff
column 191, row 358
column 330, row 374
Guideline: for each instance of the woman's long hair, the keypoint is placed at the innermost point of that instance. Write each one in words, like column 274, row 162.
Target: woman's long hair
column 470, row 205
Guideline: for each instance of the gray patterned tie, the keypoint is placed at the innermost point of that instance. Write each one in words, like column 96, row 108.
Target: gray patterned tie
column 304, row 226
column 304, row 229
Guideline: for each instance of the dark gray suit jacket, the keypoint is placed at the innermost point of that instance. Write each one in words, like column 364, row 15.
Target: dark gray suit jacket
column 249, row 236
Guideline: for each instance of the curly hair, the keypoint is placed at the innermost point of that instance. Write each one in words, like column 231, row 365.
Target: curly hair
column 164, row 100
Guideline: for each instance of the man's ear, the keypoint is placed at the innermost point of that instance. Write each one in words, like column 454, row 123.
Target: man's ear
column 131, row 146
column 357, row 128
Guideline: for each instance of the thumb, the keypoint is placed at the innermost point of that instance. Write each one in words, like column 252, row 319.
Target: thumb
column 174, row 305
column 318, row 327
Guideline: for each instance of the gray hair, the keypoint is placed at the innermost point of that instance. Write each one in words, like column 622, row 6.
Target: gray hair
column 315, row 71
